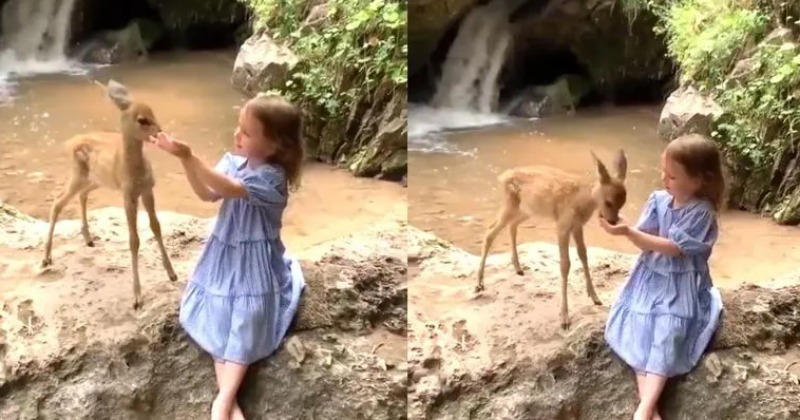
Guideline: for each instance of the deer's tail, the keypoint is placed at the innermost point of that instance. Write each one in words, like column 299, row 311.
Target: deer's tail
column 510, row 187
column 80, row 152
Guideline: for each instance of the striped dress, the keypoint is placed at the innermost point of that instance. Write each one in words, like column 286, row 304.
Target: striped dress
column 245, row 290
column 668, row 310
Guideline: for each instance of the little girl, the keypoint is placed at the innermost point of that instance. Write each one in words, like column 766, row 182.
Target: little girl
column 245, row 290
column 668, row 310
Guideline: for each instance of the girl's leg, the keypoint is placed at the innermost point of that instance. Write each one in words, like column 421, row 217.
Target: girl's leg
column 218, row 369
column 232, row 376
column 653, row 385
column 640, row 384
column 236, row 412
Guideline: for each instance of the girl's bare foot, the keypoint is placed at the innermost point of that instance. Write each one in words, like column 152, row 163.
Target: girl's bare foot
column 237, row 413
column 220, row 409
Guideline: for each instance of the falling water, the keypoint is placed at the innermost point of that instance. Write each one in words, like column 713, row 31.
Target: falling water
column 467, row 93
column 473, row 64
column 35, row 35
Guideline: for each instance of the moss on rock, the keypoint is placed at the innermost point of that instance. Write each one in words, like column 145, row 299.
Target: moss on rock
column 350, row 78
column 746, row 57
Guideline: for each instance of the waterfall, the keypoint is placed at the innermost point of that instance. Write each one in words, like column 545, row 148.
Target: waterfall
column 35, row 36
column 475, row 59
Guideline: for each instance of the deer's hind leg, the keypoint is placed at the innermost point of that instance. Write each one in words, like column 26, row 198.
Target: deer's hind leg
column 73, row 187
column 577, row 234
column 513, row 225
column 84, row 198
column 149, row 203
column 504, row 217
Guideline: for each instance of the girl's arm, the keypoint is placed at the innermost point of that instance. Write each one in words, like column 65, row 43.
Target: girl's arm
column 648, row 242
column 221, row 185
column 200, row 189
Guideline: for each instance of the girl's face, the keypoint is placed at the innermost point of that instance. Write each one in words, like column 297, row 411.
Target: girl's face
column 676, row 181
column 249, row 139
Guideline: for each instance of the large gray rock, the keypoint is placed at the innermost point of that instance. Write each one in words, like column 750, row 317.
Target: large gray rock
column 687, row 111
column 262, row 64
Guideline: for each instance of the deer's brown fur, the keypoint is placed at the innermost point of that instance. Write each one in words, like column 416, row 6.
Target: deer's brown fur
column 550, row 192
column 116, row 161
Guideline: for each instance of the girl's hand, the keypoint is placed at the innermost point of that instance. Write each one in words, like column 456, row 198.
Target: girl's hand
column 621, row 228
column 170, row 144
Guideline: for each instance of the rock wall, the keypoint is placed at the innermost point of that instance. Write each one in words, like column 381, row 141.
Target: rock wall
column 354, row 117
column 620, row 53
column 742, row 90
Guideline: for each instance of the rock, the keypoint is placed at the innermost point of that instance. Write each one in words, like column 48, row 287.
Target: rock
column 203, row 18
column 262, row 65
column 687, row 111
column 75, row 352
column 559, row 97
column 131, row 42
column 503, row 355
column 373, row 141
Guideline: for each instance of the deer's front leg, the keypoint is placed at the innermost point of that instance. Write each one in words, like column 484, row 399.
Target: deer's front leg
column 131, row 207
column 563, row 251
column 149, row 202
column 581, row 245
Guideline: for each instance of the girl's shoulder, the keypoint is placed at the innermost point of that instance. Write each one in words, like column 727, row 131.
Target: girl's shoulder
column 663, row 199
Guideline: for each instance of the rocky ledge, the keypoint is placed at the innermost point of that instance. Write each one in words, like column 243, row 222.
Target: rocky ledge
column 502, row 355
column 72, row 346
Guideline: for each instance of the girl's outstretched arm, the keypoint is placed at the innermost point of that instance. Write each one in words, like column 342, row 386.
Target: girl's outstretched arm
column 221, row 185
column 200, row 189
column 648, row 242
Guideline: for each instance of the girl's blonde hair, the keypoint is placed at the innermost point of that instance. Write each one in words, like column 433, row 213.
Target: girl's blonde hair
column 701, row 159
column 282, row 123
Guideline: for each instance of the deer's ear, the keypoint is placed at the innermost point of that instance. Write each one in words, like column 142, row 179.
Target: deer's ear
column 602, row 172
column 621, row 162
column 118, row 94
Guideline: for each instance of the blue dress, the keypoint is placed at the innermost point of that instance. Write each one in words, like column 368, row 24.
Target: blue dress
column 245, row 290
column 668, row 310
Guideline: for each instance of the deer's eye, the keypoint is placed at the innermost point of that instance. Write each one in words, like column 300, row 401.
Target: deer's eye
column 609, row 203
column 143, row 121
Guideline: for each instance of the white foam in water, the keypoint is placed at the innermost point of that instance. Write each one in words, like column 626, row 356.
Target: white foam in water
column 467, row 92
column 34, row 40
column 426, row 125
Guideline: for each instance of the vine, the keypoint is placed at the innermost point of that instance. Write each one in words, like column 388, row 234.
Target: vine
column 359, row 45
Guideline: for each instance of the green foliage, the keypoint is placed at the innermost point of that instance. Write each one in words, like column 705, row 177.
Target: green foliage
column 360, row 45
column 720, row 45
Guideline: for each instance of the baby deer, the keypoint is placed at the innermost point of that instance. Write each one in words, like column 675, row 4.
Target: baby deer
column 541, row 190
column 116, row 161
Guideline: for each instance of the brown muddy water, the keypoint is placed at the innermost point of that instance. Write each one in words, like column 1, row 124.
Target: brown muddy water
column 193, row 99
column 453, row 187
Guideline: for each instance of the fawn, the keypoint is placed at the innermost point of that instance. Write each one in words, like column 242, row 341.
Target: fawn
column 116, row 161
column 551, row 192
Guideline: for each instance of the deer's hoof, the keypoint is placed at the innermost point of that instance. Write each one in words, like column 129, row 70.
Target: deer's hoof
column 597, row 302
column 520, row 273
column 565, row 325
column 90, row 244
column 173, row 277
column 137, row 305
column 479, row 288
column 47, row 262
